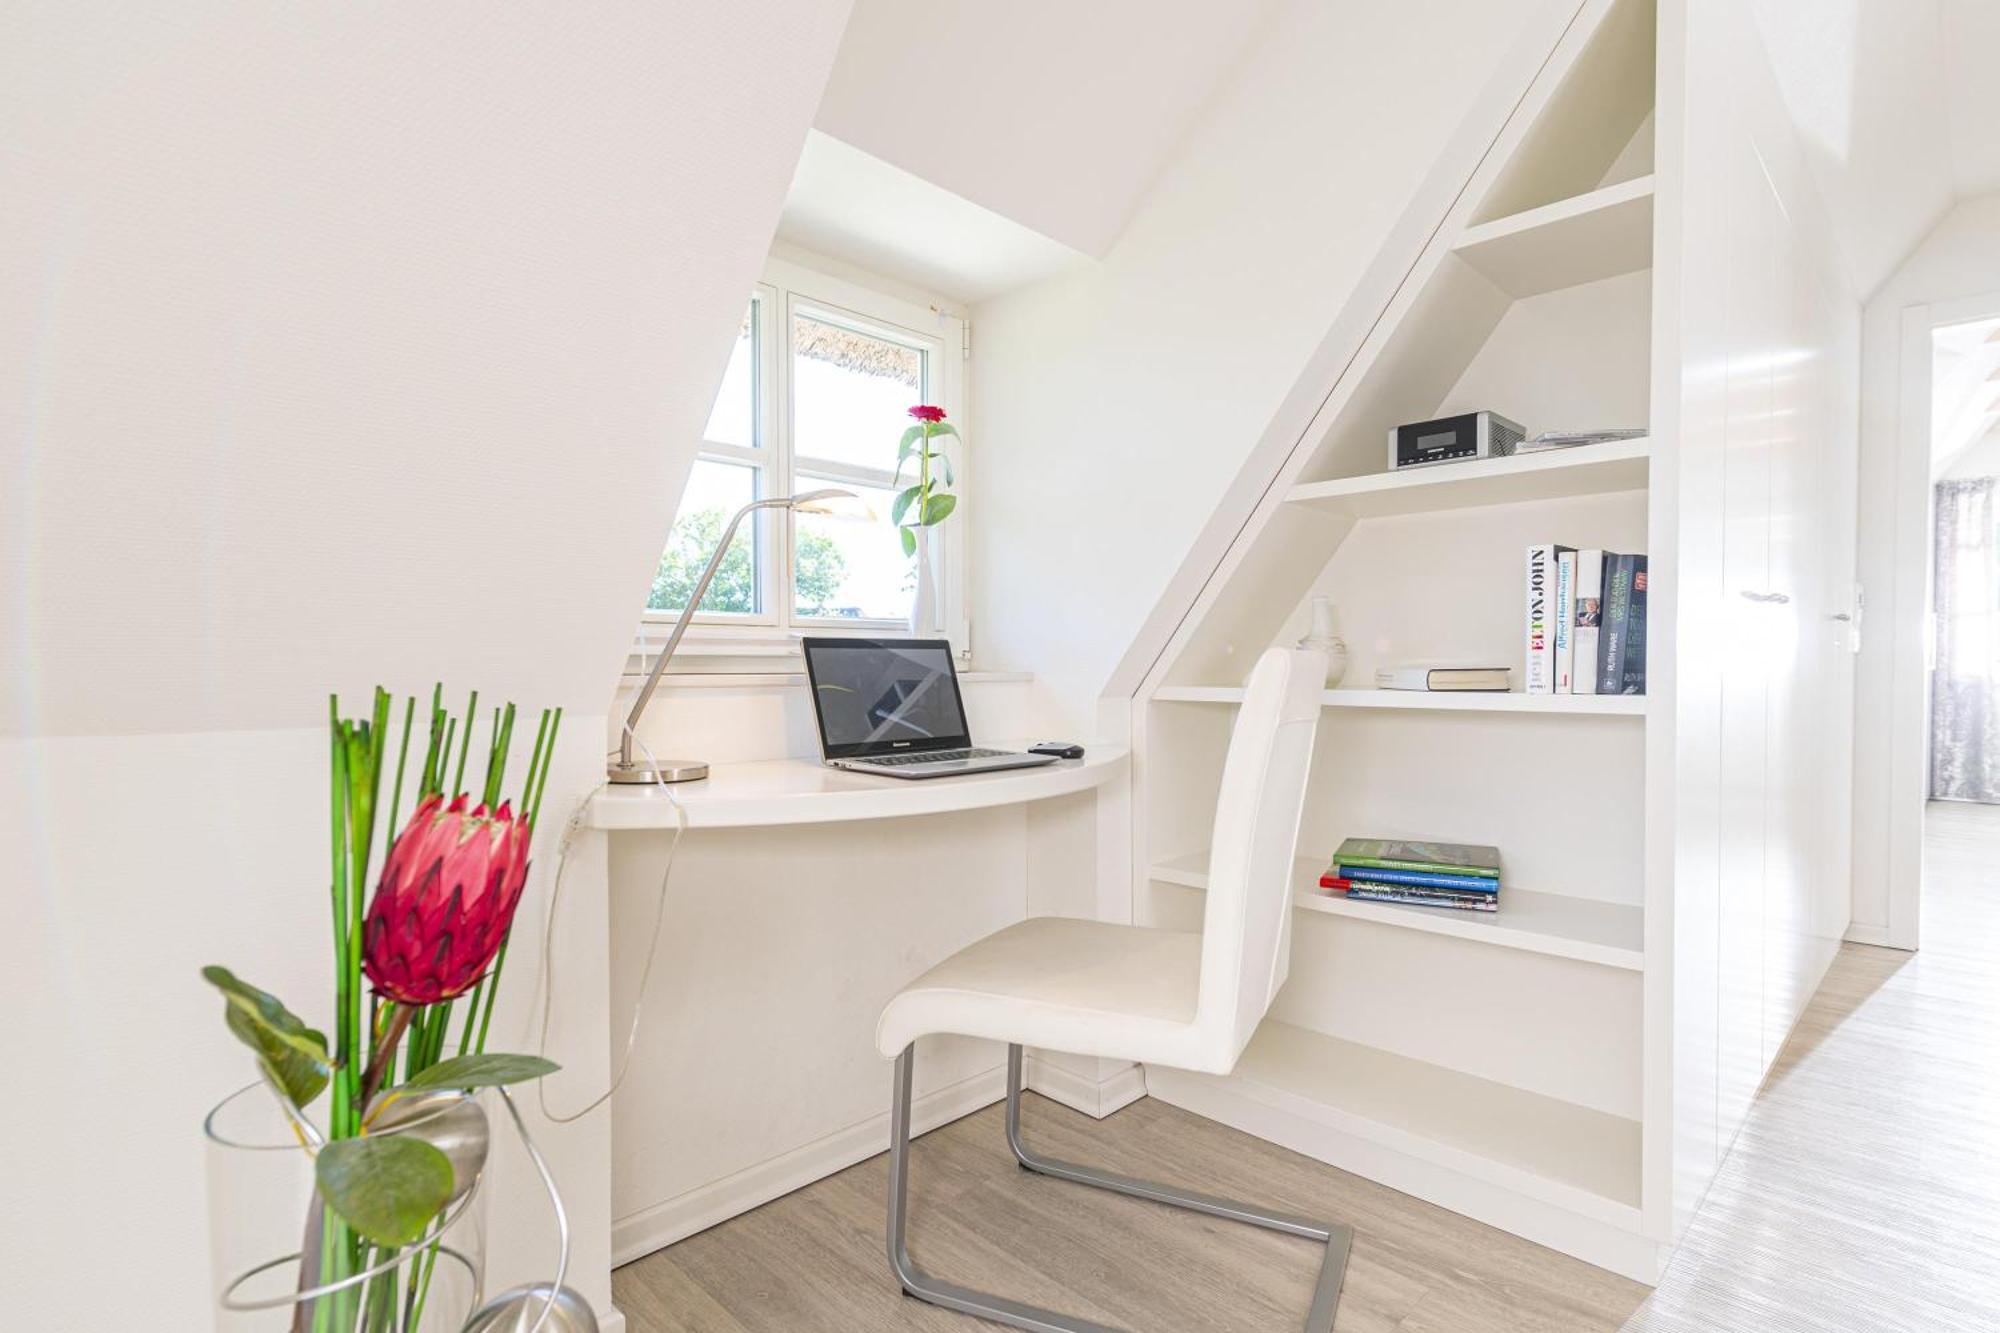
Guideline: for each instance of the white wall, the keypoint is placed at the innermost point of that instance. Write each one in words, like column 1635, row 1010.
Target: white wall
column 336, row 347
column 1980, row 459
column 1118, row 404
column 1959, row 259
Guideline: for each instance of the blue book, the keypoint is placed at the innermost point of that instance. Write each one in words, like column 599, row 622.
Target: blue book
column 1422, row 878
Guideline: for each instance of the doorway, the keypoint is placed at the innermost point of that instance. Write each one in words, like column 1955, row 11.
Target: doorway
column 1946, row 686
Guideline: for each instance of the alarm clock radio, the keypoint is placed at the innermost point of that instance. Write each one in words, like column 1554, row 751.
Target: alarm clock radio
column 1453, row 439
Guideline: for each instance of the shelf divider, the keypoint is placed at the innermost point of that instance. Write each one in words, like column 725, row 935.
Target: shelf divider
column 1587, row 469
column 1590, row 237
column 1440, row 701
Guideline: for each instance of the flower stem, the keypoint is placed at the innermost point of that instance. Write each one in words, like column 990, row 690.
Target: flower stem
column 385, row 1053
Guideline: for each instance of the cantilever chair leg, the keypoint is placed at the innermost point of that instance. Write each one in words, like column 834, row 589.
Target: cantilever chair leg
column 1326, row 1294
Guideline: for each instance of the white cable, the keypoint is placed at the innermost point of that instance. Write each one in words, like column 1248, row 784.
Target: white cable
column 652, row 948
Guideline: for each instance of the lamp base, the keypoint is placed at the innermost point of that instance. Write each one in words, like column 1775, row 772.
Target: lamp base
column 660, row 770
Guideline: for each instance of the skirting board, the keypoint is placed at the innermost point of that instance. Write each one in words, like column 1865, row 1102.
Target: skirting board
column 1860, row 932
column 661, row 1225
column 611, row 1320
column 1626, row 1253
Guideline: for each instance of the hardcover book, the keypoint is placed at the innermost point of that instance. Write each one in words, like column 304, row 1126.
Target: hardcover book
column 1442, row 678
column 1565, row 614
column 1586, row 618
column 1389, row 893
column 1624, row 596
column 1541, row 616
column 1422, row 879
column 1439, row 858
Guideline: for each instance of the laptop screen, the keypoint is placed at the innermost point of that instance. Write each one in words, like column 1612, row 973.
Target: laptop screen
column 885, row 696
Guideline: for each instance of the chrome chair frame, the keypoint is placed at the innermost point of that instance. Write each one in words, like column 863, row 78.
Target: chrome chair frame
column 1338, row 1240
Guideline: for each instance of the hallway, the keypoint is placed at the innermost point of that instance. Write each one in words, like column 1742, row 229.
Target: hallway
column 1864, row 1192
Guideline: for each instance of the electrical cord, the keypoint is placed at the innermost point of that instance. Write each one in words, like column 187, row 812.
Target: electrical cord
column 652, row 947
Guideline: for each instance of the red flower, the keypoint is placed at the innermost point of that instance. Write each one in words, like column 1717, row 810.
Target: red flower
column 927, row 413
column 447, row 897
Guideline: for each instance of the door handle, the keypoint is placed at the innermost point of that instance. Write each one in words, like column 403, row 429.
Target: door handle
column 1840, row 615
column 1773, row 597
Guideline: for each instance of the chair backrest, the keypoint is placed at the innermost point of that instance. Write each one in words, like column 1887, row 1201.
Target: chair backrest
column 1247, row 929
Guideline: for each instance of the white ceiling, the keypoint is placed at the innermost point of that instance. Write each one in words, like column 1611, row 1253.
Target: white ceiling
column 1897, row 107
column 851, row 206
column 1054, row 113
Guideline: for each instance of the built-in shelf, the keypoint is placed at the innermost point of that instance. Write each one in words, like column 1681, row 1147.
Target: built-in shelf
column 1593, row 236
column 1320, row 1095
column 1556, row 924
column 1580, row 705
column 1587, row 469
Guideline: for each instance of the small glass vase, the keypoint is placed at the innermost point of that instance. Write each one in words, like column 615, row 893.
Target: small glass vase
column 1325, row 636
column 264, row 1211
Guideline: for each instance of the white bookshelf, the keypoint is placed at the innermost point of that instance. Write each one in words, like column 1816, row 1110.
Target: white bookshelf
column 1436, row 701
column 1489, row 1062
column 1584, row 239
column 1558, row 925
column 1588, row 469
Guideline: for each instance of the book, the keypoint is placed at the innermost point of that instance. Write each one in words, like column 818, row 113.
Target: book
column 1389, row 893
column 1423, row 879
column 1416, row 676
column 1623, row 574
column 1439, row 858
column 1565, row 615
column 1586, row 617
column 1540, row 638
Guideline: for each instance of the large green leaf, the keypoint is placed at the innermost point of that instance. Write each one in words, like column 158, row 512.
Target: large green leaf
column 938, row 508
column 387, row 1187
column 903, row 503
column 294, row 1054
column 910, row 438
column 482, row 1071
column 944, row 428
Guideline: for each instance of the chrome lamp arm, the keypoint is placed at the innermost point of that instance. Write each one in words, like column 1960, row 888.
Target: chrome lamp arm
column 625, row 770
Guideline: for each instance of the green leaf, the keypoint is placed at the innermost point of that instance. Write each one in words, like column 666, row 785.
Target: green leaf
column 909, row 536
column 938, row 508
column 950, row 478
column 482, row 1071
column 902, row 505
column 386, row 1186
column 910, row 438
column 294, row 1054
column 944, row 428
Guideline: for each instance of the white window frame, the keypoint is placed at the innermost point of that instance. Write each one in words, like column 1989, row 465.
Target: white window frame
column 774, row 630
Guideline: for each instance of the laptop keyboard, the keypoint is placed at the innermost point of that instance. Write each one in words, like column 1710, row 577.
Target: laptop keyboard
column 938, row 756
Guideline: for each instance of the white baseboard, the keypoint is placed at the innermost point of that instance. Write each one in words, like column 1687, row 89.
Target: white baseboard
column 611, row 1319
column 1094, row 1098
column 1862, row 932
column 662, row 1224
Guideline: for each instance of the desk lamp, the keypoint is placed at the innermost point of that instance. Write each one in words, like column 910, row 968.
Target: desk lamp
column 628, row 770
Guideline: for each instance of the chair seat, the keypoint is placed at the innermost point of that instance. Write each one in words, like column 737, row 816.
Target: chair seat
column 1084, row 987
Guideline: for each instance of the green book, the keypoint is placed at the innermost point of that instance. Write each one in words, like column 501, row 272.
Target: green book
column 1438, row 858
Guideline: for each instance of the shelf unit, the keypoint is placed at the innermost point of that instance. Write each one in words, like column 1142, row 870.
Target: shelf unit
column 1437, row 701
column 1488, row 1062
column 1555, row 924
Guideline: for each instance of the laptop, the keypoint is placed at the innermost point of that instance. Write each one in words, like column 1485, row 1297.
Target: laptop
column 891, row 706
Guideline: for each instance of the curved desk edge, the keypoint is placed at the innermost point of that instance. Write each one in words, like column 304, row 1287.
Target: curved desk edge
column 803, row 791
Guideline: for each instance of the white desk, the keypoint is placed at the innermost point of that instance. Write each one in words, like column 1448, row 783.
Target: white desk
column 805, row 791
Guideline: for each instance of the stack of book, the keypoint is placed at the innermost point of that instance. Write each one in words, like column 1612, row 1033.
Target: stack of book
column 1586, row 621
column 1458, row 875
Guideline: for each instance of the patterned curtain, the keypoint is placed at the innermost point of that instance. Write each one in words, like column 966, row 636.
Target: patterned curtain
column 1965, row 712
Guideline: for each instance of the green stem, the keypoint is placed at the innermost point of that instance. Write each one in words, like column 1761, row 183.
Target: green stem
column 465, row 747
column 343, row 1037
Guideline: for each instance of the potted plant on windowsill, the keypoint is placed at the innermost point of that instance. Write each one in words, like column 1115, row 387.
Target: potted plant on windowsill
column 923, row 505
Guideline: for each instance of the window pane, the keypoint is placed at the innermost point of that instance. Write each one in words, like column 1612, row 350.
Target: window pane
column 733, row 419
column 715, row 492
column 848, row 569
column 851, row 393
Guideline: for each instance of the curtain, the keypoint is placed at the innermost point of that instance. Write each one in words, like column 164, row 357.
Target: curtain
column 1965, row 713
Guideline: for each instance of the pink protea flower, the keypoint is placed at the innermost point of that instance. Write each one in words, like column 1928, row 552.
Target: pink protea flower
column 447, row 896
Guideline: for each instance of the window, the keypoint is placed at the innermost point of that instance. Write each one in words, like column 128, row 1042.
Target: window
column 816, row 395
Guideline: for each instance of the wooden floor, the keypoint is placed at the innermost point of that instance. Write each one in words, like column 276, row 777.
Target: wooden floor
column 1864, row 1194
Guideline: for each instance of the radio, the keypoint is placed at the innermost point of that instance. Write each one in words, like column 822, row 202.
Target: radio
column 1452, row 439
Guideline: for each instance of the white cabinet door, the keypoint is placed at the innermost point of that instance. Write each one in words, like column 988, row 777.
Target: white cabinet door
column 1746, row 662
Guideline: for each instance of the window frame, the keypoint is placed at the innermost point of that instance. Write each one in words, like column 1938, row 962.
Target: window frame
column 788, row 289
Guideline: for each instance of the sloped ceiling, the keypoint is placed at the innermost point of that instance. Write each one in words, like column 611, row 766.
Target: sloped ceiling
column 1897, row 105
column 1056, row 114
column 352, row 344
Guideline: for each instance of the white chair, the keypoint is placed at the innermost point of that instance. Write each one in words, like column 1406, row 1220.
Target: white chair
column 1163, row 997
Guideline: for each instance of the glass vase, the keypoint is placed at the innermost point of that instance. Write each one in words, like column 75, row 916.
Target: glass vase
column 264, row 1214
